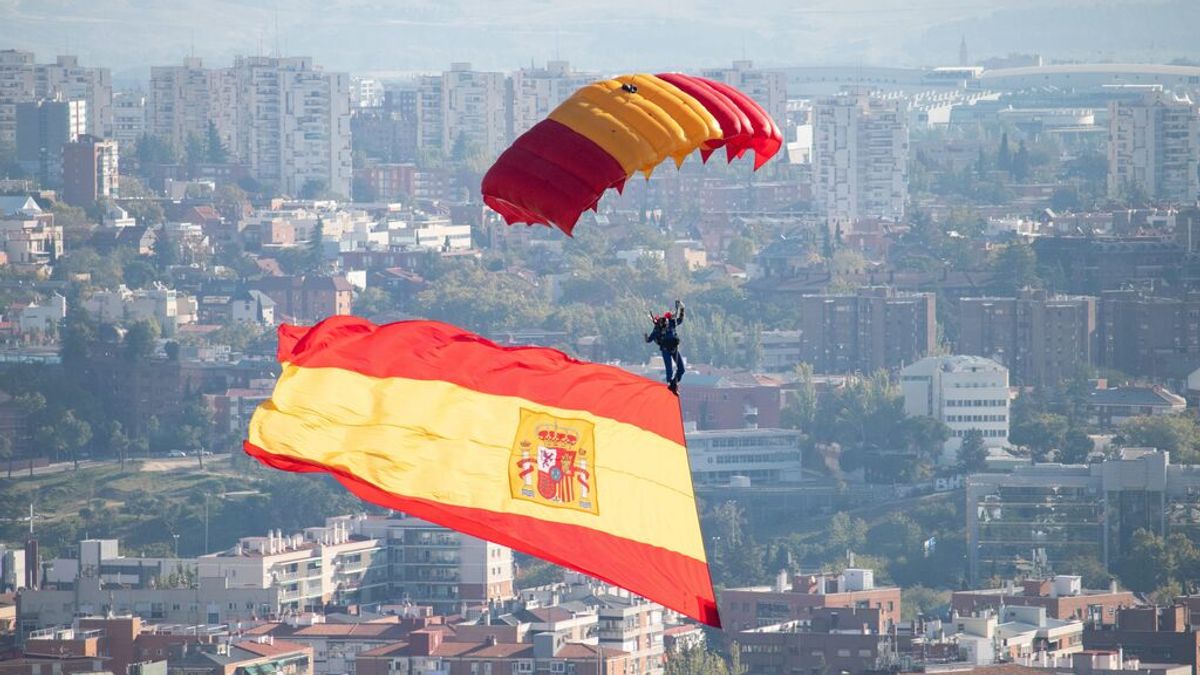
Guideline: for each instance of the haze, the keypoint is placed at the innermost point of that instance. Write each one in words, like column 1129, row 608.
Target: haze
column 372, row 36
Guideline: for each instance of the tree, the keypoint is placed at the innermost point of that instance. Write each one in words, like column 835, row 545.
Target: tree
column 372, row 301
column 972, row 456
column 801, row 407
column 138, row 274
column 118, row 442
column 739, row 252
column 1004, row 155
column 6, row 451
column 1014, row 268
column 1075, row 448
column 1176, row 434
column 215, row 151
column 1021, row 163
column 316, row 242
column 846, row 533
column 1041, row 433
column 166, row 250
column 140, row 341
column 695, row 661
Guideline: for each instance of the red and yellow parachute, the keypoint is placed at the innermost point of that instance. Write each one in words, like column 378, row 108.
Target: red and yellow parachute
column 609, row 130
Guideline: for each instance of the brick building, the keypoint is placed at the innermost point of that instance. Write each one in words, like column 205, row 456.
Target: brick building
column 730, row 402
column 1063, row 597
column 875, row 328
column 307, row 299
column 1043, row 339
column 1146, row 336
column 834, row 640
column 745, row 608
column 1153, row 634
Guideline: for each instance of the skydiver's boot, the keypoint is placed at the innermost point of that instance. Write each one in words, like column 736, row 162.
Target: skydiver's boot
column 674, row 387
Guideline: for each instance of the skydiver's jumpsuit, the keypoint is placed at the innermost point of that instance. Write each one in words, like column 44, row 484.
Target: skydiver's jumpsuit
column 664, row 335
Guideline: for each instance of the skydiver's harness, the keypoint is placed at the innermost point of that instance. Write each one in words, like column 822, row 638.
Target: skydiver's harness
column 664, row 335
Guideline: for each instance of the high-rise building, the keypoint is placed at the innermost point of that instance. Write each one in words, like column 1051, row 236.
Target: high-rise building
column 89, row 170
column 966, row 393
column 768, row 88
column 23, row 80
column 1154, row 148
column 473, row 111
column 390, row 132
column 1050, row 515
column 65, row 79
column 534, row 92
column 1043, row 339
column 129, row 117
column 875, row 328
column 16, row 86
column 431, row 115
column 434, row 566
column 860, row 158
column 294, row 124
column 43, row 129
column 181, row 102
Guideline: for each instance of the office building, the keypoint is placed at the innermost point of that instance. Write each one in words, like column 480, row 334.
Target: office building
column 860, row 159
column 1042, row 339
column 1046, row 515
column 760, row 456
column 1154, row 148
column 875, row 328
column 967, row 393
column 90, row 171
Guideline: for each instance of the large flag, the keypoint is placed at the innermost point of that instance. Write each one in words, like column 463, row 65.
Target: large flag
column 581, row 464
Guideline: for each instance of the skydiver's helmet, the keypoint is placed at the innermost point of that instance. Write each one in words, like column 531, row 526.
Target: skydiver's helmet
column 667, row 316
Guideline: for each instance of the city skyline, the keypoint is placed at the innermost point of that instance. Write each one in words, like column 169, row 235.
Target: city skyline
column 358, row 37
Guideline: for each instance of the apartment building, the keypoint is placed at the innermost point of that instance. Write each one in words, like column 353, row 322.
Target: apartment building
column 534, row 92
column 1042, row 339
column 797, row 597
column 762, row 456
column 860, row 158
column 90, row 173
column 875, row 328
column 1154, row 147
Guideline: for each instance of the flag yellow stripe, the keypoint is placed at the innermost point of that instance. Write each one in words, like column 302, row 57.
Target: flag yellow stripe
column 435, row 440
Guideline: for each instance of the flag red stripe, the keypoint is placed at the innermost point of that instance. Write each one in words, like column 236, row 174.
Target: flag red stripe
column 431, row 350
column 676, row 581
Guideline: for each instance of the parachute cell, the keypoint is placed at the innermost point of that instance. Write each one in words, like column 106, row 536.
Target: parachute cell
column 609, row 130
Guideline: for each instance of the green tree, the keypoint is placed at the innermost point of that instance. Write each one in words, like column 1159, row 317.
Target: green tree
column 1041, row 433
column 800, row 408
column 138, row 274
column 140, row 341
column 316, row 243
column 739, row 252
column 118, row 442
column 166, row 251
column 1004, row 154
column 972, row 456
column 214, row 150
column 695, row 661
column 6, row 451
column 1176, row 434
column 1014, row 268
column 1021, row 163
column 372, row 301
column 1075, row 448
column 1147, row 563
column 847, row 533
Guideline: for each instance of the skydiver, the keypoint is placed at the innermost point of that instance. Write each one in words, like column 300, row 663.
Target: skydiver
column 668, row 342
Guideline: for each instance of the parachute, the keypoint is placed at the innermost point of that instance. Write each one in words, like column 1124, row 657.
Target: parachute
column 609, row 130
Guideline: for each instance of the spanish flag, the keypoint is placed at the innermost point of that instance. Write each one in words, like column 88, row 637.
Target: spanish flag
column 581, row 464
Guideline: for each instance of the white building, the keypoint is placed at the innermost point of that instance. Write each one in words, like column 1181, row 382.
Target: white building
column 1154, row 147
column 860, row 158
column 252, row 307
column 183, row 100
column 28, row 235
column 166, row 306
column 431, row 565
column 965, row 392
column 365, row 92
column 16, row 86
column 429, row 232
column 537, row 91
column 730, row 456
column 129, row 117
column 65, row 79
column 294, row 124
column 285, row 118
column 473, row 110
column 43, row 318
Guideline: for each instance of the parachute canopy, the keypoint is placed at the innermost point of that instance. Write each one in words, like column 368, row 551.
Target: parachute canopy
column 609, row 130
column 581, row 464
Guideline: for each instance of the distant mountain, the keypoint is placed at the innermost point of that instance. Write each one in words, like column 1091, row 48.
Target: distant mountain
column 608, row 35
